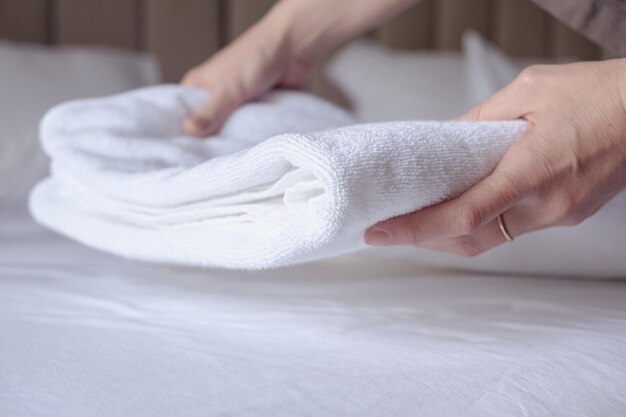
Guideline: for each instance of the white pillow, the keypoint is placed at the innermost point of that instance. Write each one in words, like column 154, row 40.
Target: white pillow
column 384, row 84
column 488, row 69
column 36, row 77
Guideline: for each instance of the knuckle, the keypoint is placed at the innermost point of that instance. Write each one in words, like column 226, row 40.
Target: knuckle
column 470, row 218
column 561, row 208
column 530, row 75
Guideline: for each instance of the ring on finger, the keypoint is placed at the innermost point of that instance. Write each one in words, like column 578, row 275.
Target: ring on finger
column 503, row 229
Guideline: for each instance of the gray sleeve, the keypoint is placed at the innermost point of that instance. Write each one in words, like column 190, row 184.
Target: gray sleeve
column 603, row 21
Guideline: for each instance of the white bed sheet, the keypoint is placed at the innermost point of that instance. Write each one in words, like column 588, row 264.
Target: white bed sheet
column 83, row 333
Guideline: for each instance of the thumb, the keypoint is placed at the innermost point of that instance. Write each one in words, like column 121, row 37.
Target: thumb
column 210, row 118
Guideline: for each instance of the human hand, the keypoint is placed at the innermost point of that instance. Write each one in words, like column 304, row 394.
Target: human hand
column 568, row 163
column 262, row 57
column 281, row 49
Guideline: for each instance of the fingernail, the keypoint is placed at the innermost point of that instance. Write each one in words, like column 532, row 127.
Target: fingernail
column 203, row 124
column 377, row 237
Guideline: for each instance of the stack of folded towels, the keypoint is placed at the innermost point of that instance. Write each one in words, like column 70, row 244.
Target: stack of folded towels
column 288, row 179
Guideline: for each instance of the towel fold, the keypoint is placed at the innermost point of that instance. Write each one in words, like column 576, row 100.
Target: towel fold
column 282, row 183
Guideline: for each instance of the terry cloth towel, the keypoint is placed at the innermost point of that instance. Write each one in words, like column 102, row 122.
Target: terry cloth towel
column 282, row 183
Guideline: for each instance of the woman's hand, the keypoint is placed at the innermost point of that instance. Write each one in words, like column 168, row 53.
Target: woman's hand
column 260, row 58
column 568, row 163
column 281, row 49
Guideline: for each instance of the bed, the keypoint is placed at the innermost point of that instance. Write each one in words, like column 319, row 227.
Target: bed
column 84, row 333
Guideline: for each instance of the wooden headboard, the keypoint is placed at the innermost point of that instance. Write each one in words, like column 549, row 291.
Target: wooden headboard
column 182, row 33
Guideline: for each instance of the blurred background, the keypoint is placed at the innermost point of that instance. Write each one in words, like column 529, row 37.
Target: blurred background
column 182, row 33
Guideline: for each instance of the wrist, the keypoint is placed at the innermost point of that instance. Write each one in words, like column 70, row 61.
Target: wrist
column 303, row 27
column 312, row 27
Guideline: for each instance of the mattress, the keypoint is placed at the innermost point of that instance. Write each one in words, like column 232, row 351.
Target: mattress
column 83, row 333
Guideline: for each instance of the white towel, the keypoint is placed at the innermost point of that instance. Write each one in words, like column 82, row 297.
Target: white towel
column 271, row 189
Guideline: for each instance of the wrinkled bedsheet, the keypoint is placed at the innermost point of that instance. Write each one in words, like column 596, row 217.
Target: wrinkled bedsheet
column 83, row 333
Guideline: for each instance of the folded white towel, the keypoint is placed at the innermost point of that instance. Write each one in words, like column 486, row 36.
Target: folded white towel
column 126, row 180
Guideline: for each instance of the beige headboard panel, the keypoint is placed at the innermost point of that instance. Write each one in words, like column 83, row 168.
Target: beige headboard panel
column 184, row 32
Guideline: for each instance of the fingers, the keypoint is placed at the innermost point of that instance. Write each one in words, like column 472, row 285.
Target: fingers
column 465, row 215
column 211, row 117
column 231, row 83
column 458, row 217
column 515, row 177
column 486, row 238
column 517, row 220
column 261, row 58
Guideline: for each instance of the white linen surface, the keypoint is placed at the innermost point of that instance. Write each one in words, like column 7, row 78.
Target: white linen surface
column 126, row 180
column 83, row 333
column 34, row 78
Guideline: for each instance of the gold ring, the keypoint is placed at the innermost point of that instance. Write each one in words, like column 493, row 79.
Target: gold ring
column 503, row 229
